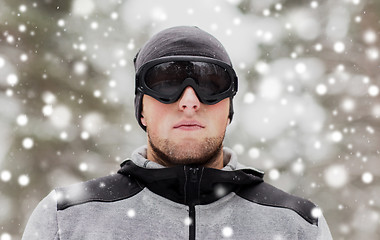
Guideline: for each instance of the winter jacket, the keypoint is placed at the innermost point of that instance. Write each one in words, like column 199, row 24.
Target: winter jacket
column 144, row 200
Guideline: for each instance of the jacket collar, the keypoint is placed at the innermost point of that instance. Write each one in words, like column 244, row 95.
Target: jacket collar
column 190, row 185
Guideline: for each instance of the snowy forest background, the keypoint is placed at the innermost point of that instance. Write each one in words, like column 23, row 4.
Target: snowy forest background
column 307, row 110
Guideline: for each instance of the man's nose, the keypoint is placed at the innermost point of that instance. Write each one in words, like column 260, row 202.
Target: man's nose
column 189, row 100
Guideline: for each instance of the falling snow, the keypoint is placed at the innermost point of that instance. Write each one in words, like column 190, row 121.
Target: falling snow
column 12, row 79
column 336, row 176
column 274, row 174
column 83, row 167
column 131, row 213
column 22, row 120
column 227, row 232
column 367, row 177
column 307, row 111
column 23, row 180
column 339, row 47
column 27, row 143
column 187, row 221
column 6, row 175
column 316, row 212
column 5, row 236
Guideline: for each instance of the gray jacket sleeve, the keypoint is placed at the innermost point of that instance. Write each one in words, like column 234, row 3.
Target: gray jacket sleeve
column 42, row 223
column 324, row 231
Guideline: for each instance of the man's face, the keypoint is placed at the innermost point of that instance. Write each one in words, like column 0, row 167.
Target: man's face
column 185, row 132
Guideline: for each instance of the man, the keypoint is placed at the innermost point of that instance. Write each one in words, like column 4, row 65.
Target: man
column 183, row 184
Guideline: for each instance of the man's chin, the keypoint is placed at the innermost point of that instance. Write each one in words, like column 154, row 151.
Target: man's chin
column 191, row 143
column 196, row 136
column 188, row 150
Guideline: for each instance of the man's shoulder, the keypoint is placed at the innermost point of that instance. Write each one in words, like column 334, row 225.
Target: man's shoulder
column 110, row 188
column 268, row 195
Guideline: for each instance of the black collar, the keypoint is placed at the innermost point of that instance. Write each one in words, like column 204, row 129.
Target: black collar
column 191, row 185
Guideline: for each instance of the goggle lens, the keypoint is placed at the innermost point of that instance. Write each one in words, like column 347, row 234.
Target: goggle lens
column 167, row 78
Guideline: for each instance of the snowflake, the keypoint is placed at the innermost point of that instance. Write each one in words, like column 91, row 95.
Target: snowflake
column 227, row 232
column 336, row 176
column 23, row 180
column 5, row 175
column 27, row 143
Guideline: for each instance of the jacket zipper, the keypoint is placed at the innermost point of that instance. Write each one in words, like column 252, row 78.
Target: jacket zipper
column 192, row 190
column 192, row 223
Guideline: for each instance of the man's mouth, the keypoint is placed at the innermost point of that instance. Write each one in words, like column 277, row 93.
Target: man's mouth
column 189, row 125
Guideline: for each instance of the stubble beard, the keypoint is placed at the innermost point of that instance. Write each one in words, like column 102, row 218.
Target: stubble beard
column 201, row 153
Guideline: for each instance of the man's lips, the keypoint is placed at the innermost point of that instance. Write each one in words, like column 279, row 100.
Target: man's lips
column 189, row 125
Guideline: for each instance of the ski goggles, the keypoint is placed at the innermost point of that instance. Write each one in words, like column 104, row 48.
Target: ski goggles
column 166, row 78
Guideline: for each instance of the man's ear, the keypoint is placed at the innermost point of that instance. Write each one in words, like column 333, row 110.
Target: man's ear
column 142, row 119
